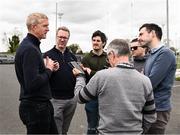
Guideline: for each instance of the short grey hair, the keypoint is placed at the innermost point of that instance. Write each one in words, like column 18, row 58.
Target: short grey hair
column 34, row 18
column 119, row 46
column 63, row 28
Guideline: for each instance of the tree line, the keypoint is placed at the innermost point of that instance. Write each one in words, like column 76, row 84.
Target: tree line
column 14, row 41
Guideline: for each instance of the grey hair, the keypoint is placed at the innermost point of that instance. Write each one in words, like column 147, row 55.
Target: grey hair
column 34, row 19
column 119, row 46
column 63, row 28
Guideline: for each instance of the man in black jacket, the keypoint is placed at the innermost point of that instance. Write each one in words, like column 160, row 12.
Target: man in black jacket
column 35, row 110
column 62, row 81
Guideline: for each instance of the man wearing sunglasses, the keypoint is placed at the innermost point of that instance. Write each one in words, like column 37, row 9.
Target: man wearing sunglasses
column 139, row 54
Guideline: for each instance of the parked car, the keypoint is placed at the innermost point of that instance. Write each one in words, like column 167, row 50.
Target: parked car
column 6, row 59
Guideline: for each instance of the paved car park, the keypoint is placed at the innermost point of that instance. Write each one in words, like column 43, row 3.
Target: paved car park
column 11, row 124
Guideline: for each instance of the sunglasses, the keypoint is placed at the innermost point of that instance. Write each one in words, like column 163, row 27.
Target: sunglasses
column 136, row 47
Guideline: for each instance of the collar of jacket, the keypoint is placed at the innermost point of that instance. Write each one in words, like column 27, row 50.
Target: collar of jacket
column 140, row 58
column 125, row 65
column 66, row 50
column 34, row 39
column 153, row 50
column 93, row 54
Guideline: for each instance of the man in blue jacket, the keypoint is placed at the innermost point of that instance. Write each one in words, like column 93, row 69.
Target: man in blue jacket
column 160, row 67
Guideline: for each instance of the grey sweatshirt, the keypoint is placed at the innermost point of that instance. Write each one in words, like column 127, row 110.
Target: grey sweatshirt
column 125, row 99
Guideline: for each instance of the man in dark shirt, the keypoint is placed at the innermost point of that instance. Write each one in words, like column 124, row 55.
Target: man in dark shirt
column 62, row 81
column 94, row 61
column 35, row 110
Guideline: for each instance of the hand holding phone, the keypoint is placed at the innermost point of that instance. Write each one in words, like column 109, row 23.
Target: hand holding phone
column 76, row 65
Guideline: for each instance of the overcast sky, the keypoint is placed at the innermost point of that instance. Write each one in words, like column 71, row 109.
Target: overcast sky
column 116, row 18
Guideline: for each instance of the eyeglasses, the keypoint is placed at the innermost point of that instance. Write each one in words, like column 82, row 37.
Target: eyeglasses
column 60, row 37
column 144, row 46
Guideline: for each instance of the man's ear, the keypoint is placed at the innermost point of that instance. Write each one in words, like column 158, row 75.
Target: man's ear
column 113, row 55
column 153, row 33
column 33, row 26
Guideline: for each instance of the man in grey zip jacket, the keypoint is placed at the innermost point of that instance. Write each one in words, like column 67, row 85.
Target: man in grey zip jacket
column 125, row 107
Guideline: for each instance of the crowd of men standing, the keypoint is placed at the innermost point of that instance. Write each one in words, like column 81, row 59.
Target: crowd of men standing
column 127, row 88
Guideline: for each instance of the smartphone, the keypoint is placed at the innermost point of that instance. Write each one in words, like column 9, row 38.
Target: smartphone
column 76, row 65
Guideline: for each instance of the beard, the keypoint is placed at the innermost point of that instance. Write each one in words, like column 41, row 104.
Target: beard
column 147, row 43
column 96, row 48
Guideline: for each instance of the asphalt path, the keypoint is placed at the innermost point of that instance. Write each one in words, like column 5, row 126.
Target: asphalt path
column 9, row 117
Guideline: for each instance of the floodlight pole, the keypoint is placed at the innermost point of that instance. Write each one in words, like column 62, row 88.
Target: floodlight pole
column 167, row 19
column 60, row 17
column 56, row 16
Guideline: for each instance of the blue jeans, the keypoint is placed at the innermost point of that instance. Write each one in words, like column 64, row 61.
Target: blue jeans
column 37, row 116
